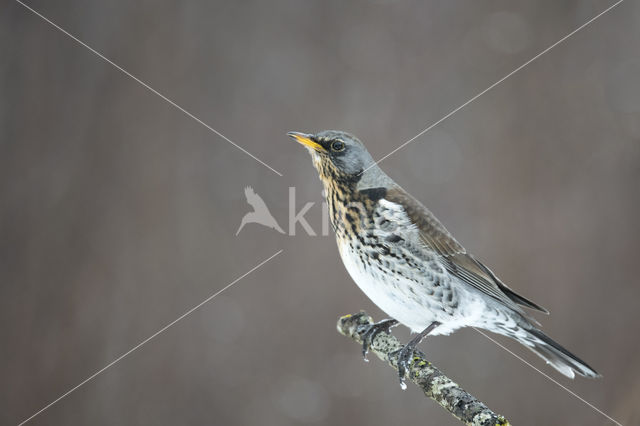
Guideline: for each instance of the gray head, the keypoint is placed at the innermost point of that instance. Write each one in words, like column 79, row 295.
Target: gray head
column 337, row 155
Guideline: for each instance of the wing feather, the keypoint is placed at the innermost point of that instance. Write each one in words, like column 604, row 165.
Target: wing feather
column 454, row 257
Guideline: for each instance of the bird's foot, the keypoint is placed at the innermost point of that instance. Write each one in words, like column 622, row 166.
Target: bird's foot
column 370, row 331
column 405, row 355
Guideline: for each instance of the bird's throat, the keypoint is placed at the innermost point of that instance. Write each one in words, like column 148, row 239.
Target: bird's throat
column 350, row 210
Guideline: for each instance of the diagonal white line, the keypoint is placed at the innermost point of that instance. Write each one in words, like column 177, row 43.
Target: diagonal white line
column 425, row 130
column 550, row 378
column 145, row 85
column 142, row 343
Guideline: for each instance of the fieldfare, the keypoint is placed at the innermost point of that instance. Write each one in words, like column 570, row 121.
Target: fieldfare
column 409, row 265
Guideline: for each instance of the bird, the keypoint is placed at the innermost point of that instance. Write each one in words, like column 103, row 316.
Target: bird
column 402, row 257
column 260, row 213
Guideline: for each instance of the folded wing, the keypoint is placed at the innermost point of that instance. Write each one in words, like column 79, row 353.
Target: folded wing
column 454, row 257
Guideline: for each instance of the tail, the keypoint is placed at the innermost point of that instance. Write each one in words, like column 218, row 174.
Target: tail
column 242, row 223
column 559, row 358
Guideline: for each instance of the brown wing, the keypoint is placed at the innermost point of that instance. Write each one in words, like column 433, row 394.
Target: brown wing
column 434, row 234
column 454, row 257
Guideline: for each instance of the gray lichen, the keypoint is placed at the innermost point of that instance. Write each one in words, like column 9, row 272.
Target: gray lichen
column 448, row 394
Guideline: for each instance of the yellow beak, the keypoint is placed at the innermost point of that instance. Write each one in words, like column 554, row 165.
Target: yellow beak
column 306, row 140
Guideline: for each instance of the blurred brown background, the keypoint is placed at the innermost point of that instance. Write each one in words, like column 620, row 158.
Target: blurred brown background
column 118, row 212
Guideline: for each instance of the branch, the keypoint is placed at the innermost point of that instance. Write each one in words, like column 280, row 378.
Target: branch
column 462, row 405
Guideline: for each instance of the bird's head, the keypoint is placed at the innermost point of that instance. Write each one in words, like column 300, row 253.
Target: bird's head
column 338, row 156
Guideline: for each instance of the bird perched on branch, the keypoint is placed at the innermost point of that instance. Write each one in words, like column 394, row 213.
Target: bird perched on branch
column 409, row 265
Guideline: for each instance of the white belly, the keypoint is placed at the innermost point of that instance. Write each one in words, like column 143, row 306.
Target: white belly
column 405, row 300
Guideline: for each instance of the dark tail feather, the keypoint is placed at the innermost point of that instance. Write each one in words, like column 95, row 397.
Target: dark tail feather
column 559, row 358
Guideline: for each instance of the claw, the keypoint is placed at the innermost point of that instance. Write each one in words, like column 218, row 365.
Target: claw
column 370, row 331
column 405, row 353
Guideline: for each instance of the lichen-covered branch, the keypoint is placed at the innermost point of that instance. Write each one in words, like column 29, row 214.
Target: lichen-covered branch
column 433, row 383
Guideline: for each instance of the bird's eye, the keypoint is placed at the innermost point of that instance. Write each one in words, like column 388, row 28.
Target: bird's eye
column 337, row 146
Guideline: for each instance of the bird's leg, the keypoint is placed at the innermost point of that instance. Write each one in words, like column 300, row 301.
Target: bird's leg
column 406, row 352
column 370, row 331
